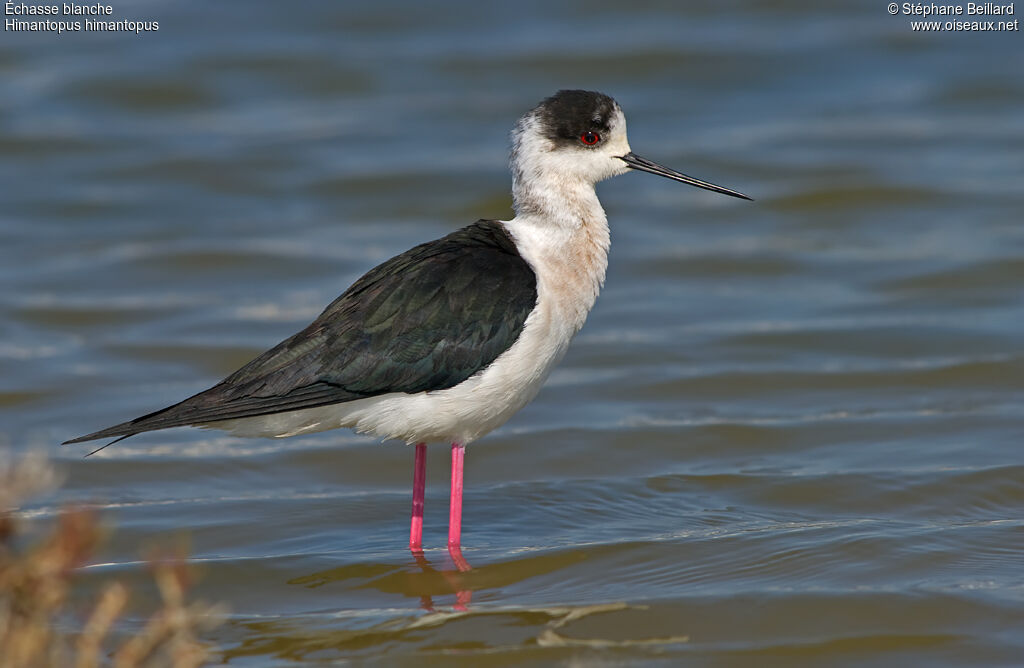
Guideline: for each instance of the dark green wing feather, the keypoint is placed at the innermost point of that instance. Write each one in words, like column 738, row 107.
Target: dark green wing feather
column 427, row 319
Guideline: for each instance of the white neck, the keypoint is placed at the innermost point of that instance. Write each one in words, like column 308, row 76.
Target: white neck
column 562, row 231
column 561, row 201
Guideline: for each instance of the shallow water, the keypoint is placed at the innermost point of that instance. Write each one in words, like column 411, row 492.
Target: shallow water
column 788, row 435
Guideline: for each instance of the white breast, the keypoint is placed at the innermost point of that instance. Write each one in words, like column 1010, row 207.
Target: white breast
column 570, row 265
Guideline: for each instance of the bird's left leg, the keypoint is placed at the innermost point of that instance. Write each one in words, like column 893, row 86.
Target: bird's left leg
column 419, row 483
column 455, row 508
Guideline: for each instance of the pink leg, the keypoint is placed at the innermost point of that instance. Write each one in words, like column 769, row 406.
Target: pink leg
column 419, row 483
column 455, row 508
column 455, row 504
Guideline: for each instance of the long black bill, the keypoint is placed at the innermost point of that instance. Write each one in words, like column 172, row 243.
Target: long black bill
column 644, row 165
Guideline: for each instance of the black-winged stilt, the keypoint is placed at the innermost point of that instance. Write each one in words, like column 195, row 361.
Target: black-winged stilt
column 446, row 341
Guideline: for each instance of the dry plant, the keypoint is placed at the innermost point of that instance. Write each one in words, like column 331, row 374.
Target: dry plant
column 36, row 582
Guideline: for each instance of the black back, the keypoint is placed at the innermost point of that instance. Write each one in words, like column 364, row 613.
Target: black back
column 427, row 319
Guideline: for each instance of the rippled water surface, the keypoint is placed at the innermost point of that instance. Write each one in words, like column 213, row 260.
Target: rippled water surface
column 790, row 433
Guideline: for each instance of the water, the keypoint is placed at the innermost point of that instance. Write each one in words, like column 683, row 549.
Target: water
column 788, row 435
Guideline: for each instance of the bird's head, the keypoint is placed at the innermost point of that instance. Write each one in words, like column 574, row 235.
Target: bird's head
column 578, row 136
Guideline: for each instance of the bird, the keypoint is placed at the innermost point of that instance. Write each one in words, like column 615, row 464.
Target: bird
column 448, row 340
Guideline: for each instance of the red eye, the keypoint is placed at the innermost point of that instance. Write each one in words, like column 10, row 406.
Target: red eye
column 590, row 138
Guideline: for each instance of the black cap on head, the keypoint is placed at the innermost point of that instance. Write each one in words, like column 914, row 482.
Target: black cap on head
column 568, row 113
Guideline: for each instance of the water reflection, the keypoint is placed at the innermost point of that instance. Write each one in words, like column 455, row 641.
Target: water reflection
column 454, row 578
column 428, row 582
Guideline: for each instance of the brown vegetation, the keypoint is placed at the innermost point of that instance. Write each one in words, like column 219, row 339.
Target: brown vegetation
column 36, row 582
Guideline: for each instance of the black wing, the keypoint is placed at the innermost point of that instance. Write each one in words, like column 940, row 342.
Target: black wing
column 427, row 319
